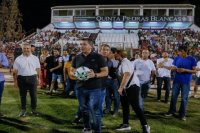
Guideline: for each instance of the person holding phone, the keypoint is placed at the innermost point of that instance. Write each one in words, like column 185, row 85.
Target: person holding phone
column 129, row 91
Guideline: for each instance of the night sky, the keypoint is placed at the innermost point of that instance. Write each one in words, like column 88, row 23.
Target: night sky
column 37, row 13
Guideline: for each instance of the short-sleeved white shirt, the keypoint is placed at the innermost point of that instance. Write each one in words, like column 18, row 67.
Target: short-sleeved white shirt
column 198, row 66
column 126, row 66
column 163, row 72
column 26, row 66
column 143, row 69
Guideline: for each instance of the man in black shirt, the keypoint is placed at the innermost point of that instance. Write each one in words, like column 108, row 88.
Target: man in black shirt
column 57, row 71
column 89, row 91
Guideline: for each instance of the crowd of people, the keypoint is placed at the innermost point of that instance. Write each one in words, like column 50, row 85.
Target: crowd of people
column 112, row 76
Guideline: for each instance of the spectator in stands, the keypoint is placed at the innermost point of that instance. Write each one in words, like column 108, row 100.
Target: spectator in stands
column 26, row 71
column 145, row 70
column 164, row 65
column 89, row 91
column 184, row 66
column 129, row 91
column 33, row 49
column 136, row 56
column 197, row 81
column 112, row 86
column 57, row 71
column 3, row 63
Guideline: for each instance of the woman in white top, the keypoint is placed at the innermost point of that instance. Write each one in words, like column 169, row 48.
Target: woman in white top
column 131, row 94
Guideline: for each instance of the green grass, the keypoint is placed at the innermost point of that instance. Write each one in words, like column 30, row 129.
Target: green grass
column 56, row 115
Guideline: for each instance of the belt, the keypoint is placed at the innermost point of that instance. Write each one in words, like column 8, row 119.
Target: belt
column 27, row 76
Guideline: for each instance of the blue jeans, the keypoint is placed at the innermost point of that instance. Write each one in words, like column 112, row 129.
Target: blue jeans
column 1, row 89
column 71, row 84
column 112, row 88
column 103, row 95
column 144, row 89
column 184, row 88
column 89, row 101
column 78, row 113
column 166, row 86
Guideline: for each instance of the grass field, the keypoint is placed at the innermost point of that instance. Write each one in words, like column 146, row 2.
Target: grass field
column 56, row 115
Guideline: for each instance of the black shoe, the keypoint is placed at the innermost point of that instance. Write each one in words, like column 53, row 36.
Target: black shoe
column 146, row 129
column 35, row 113
column 22, row 113
column 106, row 111
column 123, row 127
column 48, row 93
column 76, row 121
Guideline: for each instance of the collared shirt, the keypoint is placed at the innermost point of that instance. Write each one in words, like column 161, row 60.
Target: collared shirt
column 126, row 66
column 93, row 61
column 4, row 62
column 26, row 66
column 143, row 69
column 163, row 72
column 186, row 63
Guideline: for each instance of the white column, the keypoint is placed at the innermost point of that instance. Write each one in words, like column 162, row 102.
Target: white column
column 167, row 12
column 97, row 11
column 118, row 12
column 73, row 13
column 141, row 11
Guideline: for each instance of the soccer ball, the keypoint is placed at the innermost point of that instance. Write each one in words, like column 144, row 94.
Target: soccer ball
column 82, row 73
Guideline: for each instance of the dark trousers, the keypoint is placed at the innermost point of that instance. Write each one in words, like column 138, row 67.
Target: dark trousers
column 132, row 99
column 27, row 83
column 166, row 86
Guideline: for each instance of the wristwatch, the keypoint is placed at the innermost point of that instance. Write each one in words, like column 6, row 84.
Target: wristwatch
column 95, row 75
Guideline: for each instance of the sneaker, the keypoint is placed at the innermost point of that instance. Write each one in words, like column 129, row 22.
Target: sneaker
column 158, row 100
column 85, row 130
column 146, row 129
column 168, row 114
column 106, row 111
column 76, row 121
column 123, row 127
column 71, row 93
column 34, row 112
column 167, row 102
column 54, row 91
column 183, row 118
column 115, row 113
column 102, row 125
column 23, row 113
column 193, row 96
column 2, row 115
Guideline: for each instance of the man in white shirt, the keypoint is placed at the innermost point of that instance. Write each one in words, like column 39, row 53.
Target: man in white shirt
column 26, row 70
column 164, row 74
column 197, row 81
column 145, row 70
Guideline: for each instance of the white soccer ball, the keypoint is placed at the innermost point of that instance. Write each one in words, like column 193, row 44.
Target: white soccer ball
column 82, row 73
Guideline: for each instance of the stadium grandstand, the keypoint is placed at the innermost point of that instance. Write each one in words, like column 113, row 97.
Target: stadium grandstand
column 131, row 27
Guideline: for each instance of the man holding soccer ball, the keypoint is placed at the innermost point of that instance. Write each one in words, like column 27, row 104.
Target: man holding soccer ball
column 89, row 91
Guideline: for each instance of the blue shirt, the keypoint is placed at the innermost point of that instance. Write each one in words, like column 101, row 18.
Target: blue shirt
column 186, row 63
column 4, row 62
